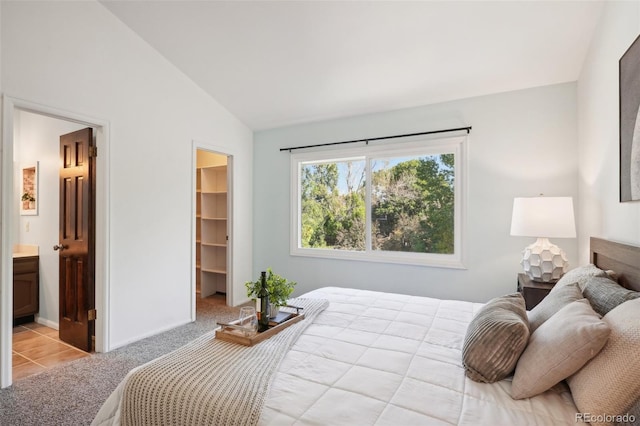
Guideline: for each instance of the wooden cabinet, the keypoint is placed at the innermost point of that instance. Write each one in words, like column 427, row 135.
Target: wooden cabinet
column 211, row 226
column 532, row 291
column 26, row 286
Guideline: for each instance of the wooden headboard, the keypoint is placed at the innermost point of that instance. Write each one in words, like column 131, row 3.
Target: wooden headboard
column 621, row 258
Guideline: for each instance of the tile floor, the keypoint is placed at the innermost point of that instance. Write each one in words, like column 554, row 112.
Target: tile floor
column 37, row 347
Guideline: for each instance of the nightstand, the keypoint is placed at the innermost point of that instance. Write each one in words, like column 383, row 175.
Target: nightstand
column 532, row 291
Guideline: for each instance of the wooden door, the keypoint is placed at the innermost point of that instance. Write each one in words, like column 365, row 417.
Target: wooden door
column 77, row 235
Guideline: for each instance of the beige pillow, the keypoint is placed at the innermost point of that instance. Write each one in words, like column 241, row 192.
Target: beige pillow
column 559, row 348
column 552, row 304
column 576, row 274
column 612, row 275
column 495, row 338
column 609, row 384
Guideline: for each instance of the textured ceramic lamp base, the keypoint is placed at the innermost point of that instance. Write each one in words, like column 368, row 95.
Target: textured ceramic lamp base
column 544, row 261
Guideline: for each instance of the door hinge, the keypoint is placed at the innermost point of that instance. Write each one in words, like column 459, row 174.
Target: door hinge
column 92, row 314
column 93, row 151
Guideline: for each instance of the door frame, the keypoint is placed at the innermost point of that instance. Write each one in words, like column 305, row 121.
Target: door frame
column 196, row 145
column 102, row 131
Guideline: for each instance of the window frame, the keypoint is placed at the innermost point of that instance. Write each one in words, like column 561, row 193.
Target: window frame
column 454, row 145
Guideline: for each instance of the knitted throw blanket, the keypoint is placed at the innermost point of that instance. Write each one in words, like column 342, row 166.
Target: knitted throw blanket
column 209, row 381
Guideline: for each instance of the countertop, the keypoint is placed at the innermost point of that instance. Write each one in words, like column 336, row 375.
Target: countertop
column 25, row 250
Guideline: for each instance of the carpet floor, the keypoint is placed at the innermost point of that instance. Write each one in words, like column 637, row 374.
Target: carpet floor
column 72, row 394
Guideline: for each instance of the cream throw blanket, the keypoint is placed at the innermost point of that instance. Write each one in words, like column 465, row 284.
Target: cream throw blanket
column 209, row 381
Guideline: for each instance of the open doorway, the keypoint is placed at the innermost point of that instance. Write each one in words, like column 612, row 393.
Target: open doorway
column 212, row 281
column 38, row 341
column 31, row 140
column 212, row 226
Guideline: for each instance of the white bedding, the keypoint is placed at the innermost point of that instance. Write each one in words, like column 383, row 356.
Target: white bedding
column 376, row 358
column 387, row 359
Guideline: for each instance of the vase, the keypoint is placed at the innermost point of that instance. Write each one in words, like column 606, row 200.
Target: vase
column 273, row 310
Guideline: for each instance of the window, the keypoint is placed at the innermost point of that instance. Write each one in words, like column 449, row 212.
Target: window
column 402, row 203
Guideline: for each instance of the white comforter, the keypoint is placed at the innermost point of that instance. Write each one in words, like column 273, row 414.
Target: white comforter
column 376, row 358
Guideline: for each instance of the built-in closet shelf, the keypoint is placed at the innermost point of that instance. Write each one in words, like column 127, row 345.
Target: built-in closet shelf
column 211, row 223
column 215, row 271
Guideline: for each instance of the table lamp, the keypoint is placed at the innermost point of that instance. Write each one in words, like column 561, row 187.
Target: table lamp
column 543, row 218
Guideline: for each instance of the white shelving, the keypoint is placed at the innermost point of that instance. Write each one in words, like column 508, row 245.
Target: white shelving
column 211, row 225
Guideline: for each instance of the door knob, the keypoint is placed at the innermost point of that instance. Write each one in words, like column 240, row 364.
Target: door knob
column 59, row 247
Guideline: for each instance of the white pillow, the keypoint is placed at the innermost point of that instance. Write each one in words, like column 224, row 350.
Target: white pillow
column 559, row 348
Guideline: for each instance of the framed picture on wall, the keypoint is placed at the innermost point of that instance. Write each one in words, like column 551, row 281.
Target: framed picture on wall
column 29, row 189
column 629, row 69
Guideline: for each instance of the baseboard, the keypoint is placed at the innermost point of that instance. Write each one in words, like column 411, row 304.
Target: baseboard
column 145, row 335
column 48, row 323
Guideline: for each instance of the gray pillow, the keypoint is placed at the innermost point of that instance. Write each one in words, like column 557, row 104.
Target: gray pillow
column 604, row 294
column 495, row 338
column 576, row 274
column 634, row 411
column 552, row 304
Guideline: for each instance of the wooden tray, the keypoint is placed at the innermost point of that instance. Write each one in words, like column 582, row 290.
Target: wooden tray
column 234, row 336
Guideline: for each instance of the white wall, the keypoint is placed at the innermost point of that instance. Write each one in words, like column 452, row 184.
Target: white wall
column 37, row 139
column 522, row 144
column 600, row 212
column 76, row 56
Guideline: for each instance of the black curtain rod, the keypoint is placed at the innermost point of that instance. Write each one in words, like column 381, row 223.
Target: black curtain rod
column 468, row 129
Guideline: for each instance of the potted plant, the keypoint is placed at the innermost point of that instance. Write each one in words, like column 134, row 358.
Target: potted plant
column 28, row 200
column 279, row 289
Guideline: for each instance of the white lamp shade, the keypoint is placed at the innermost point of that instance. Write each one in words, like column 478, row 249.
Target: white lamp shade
column 548, row 217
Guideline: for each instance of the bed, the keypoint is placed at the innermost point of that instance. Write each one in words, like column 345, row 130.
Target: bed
column 371, row 358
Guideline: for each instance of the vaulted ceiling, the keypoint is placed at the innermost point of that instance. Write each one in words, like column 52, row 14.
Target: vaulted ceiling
column 277, row 63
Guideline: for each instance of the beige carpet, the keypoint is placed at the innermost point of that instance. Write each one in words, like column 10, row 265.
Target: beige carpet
column 72, row 394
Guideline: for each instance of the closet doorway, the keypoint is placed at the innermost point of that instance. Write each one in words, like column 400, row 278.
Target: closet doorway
column 212, row 219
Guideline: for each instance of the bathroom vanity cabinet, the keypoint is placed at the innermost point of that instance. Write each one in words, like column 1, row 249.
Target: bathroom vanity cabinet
column 26, row 283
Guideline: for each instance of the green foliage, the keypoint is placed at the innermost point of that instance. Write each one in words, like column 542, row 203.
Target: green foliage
column 331, row 219
column 279, row 288
column 412, row 206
